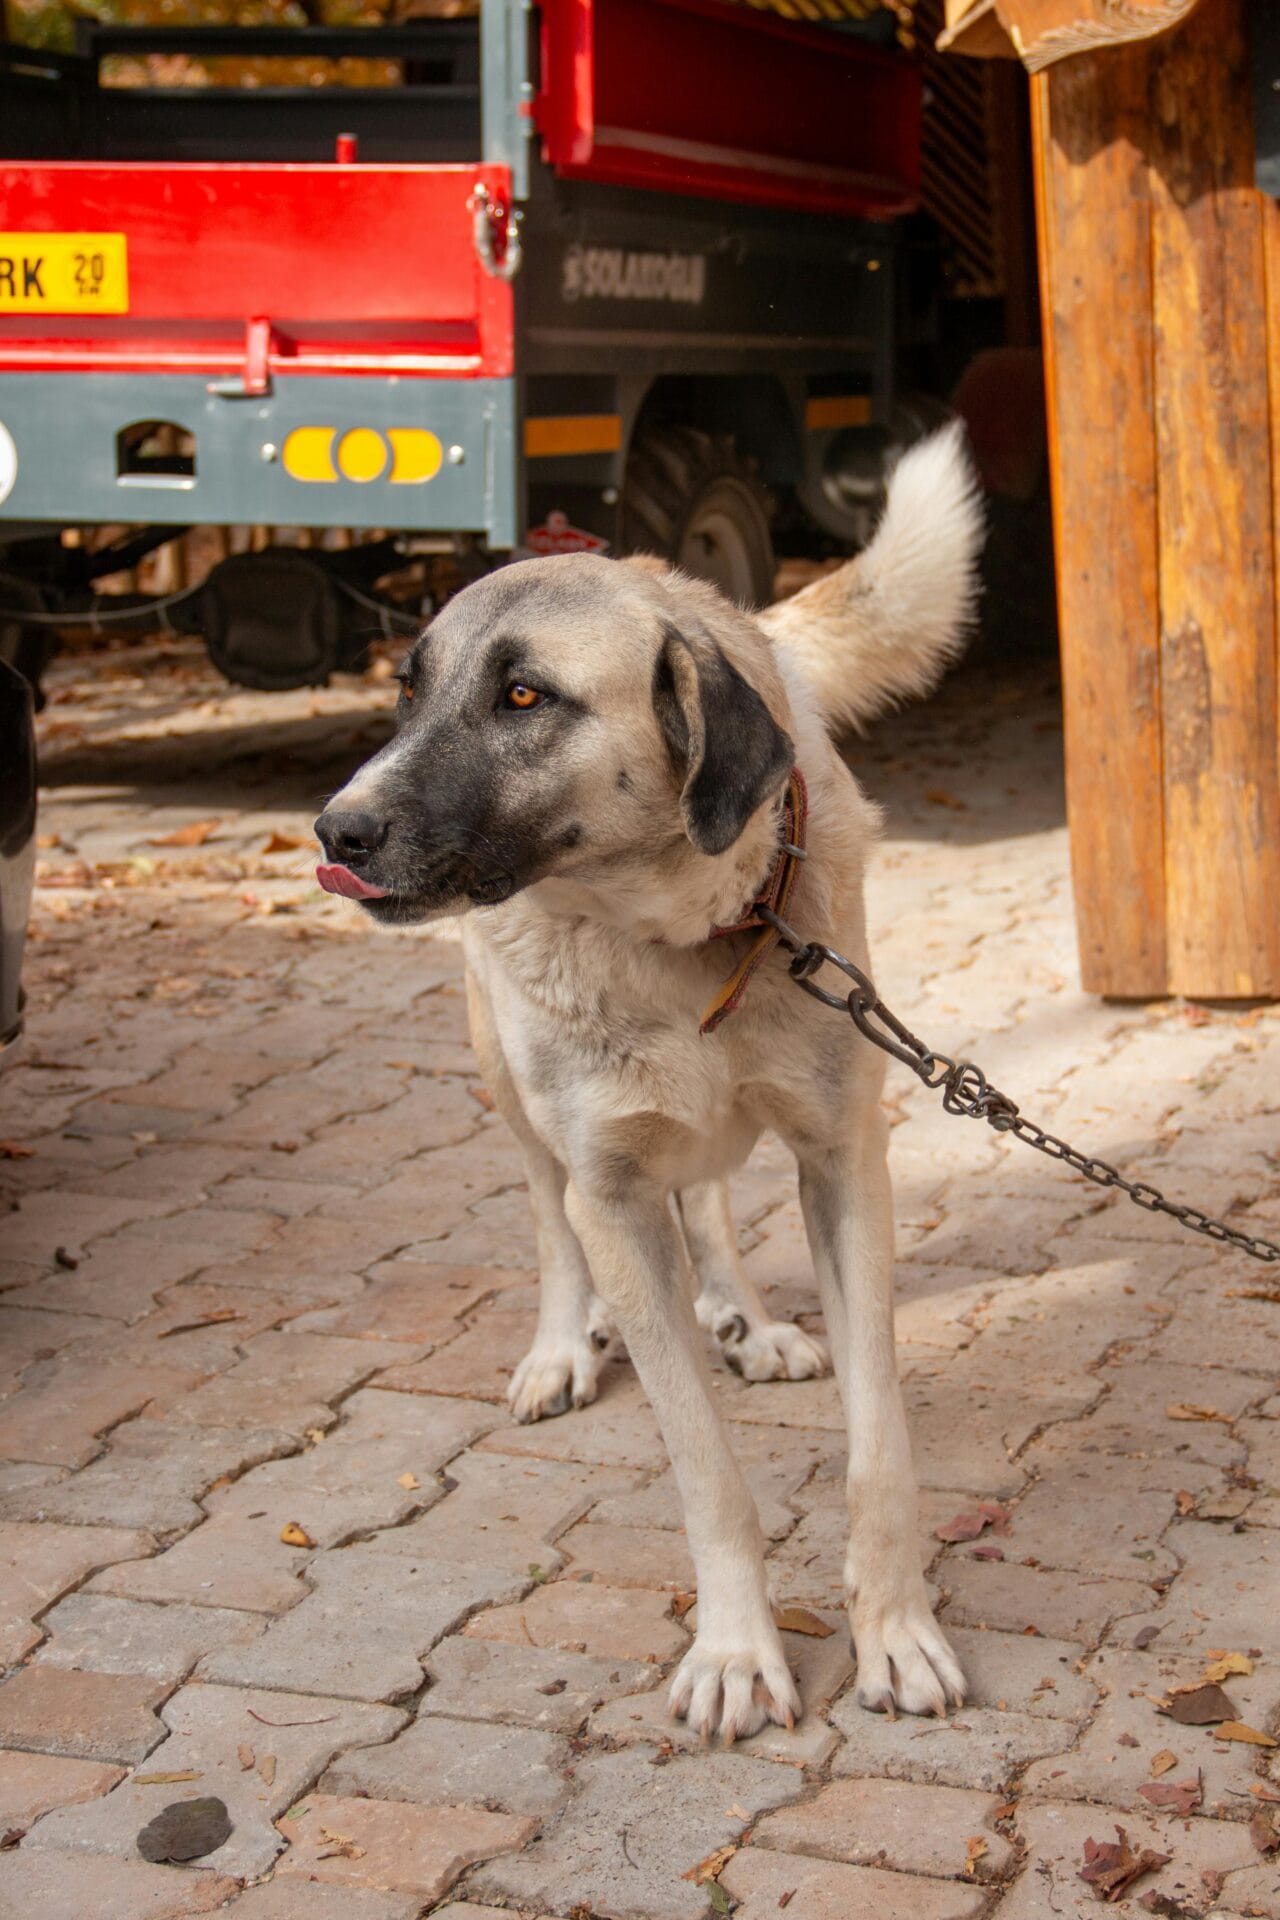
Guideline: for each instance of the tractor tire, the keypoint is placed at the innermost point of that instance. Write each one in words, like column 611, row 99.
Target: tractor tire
column 689, row 498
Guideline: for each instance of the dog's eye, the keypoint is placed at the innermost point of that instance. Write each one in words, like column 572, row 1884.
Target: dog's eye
column 522, row 698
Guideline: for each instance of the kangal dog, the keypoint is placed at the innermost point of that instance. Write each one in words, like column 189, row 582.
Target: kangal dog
column 591, row 762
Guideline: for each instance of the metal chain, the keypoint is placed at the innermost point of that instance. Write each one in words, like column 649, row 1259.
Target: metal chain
column 966, row 1091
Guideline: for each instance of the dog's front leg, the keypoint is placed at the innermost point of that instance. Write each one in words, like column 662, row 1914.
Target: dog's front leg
column 903, row 1659
column 735, row 1676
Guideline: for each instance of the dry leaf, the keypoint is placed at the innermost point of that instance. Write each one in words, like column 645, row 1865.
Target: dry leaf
column 12, row 1150
column 1184, row 1410
column 286, row 842
column 801, row 1620
column 1180, row 1796
column 682, row 1603
column 939, row 797
column 193, row 835
column 1198, row 1706
column 1248, row 1736
column 974, row 1848
column 987, row 1552
column 247, row 1758
column 965, row 1526
column 1111, row 1866
column 1264, row 1792
column 1163, row 1760
column 712, row 1866
column 1264, row 1831
column 216, row 1318
column 267, row 1771
column 1186, row 1501
column 1222, row 1665
column 320, row 1720
column 338, row 1846
column 408, row 1481
column 295, row 1536
column 163, row 1779
column 482, row 1097
column 737, row 1812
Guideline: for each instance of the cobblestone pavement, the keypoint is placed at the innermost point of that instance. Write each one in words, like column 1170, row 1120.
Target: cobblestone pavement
column 268, row 1538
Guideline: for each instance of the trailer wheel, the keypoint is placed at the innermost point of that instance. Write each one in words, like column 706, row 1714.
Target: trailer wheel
column 23, row 645
column 691, row 499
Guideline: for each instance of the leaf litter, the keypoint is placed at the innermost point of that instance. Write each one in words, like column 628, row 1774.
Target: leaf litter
column 1111, row 1867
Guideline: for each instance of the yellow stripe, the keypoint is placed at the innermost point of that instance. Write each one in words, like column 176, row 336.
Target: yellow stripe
column 572, row 433
column 837, row 410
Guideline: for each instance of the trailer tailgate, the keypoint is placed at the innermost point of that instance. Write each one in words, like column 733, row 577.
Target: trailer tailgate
column 351, row 269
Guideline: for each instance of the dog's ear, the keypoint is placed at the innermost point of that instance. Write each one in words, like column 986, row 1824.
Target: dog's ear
column 723, row 741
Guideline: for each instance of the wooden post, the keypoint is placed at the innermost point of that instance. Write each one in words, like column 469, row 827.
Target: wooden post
column 1153, row 259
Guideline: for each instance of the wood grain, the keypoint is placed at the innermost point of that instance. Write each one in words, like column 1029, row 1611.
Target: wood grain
column 1089, row 123
column 1217, row 574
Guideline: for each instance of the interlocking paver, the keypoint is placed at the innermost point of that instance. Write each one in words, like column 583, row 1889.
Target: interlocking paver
column 285, row 1739
column 1018, row 1599
column 1055, row 1837
column 88, row 1716
column 37, row 1563
column 408, row 1300
column 63, row 1406
column 225, row 1562
column 504, row 1511
column 1224, row 1595
column 634, row 1828
column 480, row 1359
column 46, row 1886
column 300, row 1899
column 618, row 1430
column 151, row 1475
column 822, row 1890
column 625, row 1623
column 372, row 1470
column 108, row 1635
column 285, row 1380
column 527, row 1686
column 420, row 1850
column 438, row 1762
column 912, row 1829
column 366, row 1625
column 32, row 1784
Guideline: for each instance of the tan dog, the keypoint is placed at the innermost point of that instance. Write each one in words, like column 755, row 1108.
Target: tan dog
column 591, row 757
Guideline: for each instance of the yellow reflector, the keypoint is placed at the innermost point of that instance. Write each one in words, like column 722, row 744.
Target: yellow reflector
column 362, row 454
column 416, row 455
column 837, row 410
column 572, row 433
column 307, row 454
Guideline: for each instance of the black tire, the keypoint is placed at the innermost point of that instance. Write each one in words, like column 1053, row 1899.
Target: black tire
column 689, row 498
column 25, row 646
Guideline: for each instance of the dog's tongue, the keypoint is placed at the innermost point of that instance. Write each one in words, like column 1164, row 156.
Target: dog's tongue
column 337, row 879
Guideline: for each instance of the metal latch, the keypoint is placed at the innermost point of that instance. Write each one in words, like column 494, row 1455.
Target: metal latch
column 256, row 378
column 496, row 230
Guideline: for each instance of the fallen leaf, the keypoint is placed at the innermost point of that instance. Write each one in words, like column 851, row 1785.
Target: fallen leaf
column 1222, row 1665
column 714, row 1864
column 267, row 1771
column 1165, row 1904
column 939, row 797
column 187, row 1830
column 1144, row 1636
column 718, row 1897
column 737, row 1812
column 163, row 1779
column 482, row 1097
column 1198, row 1706
column 409, row 1481
column 1127, row 1740
column 320, row 1720
column 295, row 1536
column 67, row 1261
column 965, row 1526
column 1005, row 1811
column 785, row 1899
column 1163, row 1760
column 1186, row 1501
column 1111, row 1866
column 245, row 1755
column 13, row 1150
column 1184, row 1410
column 987, row 1552
column 193, row 835
column 1248, row 1736
column 278, row 842
column 974, row 1848
column 682, row 1603
column 10, row 1837
column 553, row 1686
column 1264, row 1831
column 1264, row 1792
column 801, row 1620
column 338, row 1846
column 1180, row 1796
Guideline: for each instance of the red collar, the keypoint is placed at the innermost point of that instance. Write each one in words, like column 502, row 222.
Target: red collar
column 776, row 894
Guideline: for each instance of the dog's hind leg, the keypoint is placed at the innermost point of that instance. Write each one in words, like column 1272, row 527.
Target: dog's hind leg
column 903, row 1658
column 727, row 1303
column 562, row 1367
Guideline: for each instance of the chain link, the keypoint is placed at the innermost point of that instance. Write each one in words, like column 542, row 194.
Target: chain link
column 967, row 1092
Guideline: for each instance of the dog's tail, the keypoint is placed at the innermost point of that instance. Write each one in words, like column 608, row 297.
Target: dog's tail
column 883, row 628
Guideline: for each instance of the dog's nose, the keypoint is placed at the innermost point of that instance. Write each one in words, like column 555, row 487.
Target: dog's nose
column 350, row 835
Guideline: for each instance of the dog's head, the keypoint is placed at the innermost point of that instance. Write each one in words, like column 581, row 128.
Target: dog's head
column 575, row 717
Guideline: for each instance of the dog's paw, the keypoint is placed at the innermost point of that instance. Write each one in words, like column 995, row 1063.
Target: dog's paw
column 554, row 1376
column 731, row 1692
column 775, row 1350
column 904, row 1662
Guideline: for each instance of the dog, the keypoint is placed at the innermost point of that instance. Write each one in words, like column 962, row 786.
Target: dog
column 594, row 764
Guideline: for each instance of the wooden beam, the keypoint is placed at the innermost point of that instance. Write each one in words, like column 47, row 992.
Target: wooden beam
column 1217, row 574
column 1089, row 127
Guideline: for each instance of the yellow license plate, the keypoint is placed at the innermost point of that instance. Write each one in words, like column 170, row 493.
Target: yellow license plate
column 63, row 273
